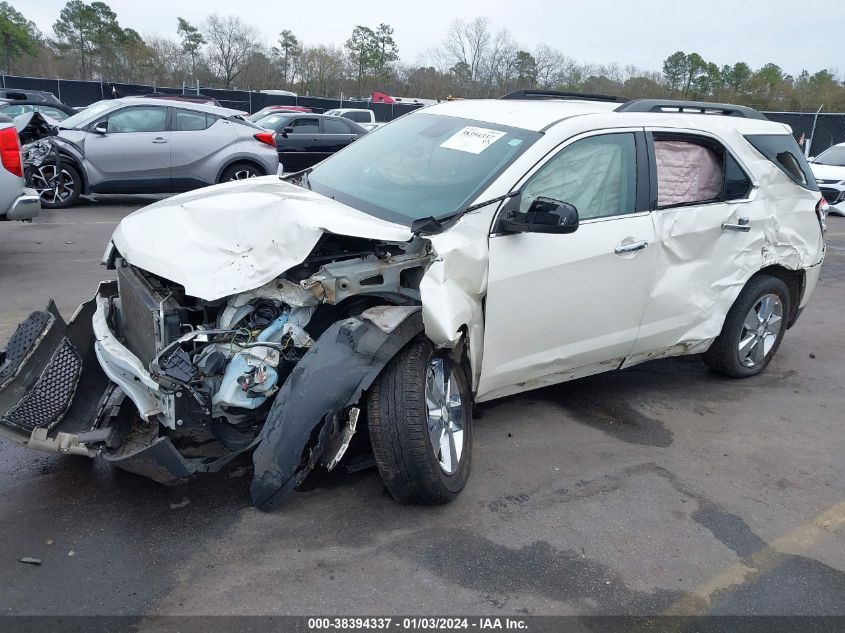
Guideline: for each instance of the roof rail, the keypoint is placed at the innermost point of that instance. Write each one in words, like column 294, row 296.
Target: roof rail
column 556, row 94
column 696, row 107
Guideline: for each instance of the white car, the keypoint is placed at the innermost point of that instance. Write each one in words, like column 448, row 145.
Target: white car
column 829, row 170
column 468, row 251
column 364, row 118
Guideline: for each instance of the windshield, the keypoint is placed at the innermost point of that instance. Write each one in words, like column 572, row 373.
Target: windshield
column 259, row 115
column 834, row 156
column 273, row 121
column 420, row 165
column 85, row 116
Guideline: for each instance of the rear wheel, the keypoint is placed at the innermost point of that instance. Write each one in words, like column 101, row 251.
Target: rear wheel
column 58, row 186
column 753, row 329
column 240, row 171
column 420, row 423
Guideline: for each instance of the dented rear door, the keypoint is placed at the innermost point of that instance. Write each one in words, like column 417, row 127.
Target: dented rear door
column 704, row 254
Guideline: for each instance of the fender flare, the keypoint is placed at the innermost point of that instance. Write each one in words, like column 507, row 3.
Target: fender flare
column 334, row 374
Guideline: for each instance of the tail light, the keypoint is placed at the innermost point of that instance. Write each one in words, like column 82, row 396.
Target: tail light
column 821, row 213
column 268, row 138
column 10, row 151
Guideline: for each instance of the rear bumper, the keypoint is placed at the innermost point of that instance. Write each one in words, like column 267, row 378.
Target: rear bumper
column 25, row 207
column 811, row 279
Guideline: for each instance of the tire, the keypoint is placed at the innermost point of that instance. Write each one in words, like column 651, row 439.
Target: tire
column 240, row 171
column 398, row 420
column 747, row 344
column 55, row 193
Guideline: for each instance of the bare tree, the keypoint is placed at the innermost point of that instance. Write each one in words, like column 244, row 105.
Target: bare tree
column 231, row 42
column 468, row 44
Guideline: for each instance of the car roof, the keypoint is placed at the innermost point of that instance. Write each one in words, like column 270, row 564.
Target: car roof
column 529, row 115
column 185, row 105
column 539, row 115
column 47, row 104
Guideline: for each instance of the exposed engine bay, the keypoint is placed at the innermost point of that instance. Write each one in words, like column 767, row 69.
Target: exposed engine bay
column 190, row 383
column 229, row 357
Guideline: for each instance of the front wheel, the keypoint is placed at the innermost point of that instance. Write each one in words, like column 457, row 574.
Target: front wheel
column 420, row 421
column 58, row 186
column 753, row 329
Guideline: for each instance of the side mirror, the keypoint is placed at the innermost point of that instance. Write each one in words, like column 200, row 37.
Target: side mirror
column 286, row 131
column 102, row 127
column 545, row 215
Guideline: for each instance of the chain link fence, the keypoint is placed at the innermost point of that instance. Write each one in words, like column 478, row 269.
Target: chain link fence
column 815, row 132
column 76, row 93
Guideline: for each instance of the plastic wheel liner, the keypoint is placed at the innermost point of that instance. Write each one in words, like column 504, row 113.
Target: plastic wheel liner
column 332, row 376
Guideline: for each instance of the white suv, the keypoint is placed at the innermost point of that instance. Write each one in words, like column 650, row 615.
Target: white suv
column 468, row 251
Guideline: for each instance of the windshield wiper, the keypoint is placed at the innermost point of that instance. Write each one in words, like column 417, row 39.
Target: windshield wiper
column 490, row 201
column 430, row 224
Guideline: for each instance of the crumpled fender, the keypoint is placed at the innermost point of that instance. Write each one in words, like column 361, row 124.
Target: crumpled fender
column 332, row 375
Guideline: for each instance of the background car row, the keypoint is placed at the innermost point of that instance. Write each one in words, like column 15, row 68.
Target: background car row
column 161, row 144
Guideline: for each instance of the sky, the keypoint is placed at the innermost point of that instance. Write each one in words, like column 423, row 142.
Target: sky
column 638, row 32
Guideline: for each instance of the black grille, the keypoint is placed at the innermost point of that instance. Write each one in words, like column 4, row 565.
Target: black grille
column 22, row 342
column 831, row 195
column 46, row 403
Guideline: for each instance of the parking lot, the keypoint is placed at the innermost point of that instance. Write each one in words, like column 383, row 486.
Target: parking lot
column 660, row 489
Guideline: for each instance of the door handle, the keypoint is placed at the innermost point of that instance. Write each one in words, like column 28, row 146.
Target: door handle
column 630, row 248
column 741, row 225
column 159, row 140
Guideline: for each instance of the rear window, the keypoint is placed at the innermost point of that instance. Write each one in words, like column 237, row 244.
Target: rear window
column 192, row 121
column 784, row 152
column 358, row 117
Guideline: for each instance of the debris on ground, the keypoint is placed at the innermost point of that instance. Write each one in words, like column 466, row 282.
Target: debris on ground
column 30, row 561
column 175, row 506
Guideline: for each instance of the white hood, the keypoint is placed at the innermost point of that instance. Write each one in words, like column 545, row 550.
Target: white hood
column 828, row 172
column 234, row 237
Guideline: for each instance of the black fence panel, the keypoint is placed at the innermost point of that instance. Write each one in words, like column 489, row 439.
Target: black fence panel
column 83, row 93
column 829, row 128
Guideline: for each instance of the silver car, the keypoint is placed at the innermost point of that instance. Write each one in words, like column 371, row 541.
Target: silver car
column 136, row 145
column 16, row 202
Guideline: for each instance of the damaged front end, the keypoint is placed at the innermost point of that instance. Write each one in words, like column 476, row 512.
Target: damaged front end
column 167, row 385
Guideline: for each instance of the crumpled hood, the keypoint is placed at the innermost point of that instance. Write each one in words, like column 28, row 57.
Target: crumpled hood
column 229, row 238
column 828, row 172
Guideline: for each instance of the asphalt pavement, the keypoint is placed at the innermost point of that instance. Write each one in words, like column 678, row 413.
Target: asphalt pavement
column 660, row 489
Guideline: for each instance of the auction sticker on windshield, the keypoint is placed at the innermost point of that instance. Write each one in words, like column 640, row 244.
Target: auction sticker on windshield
column 472, row 139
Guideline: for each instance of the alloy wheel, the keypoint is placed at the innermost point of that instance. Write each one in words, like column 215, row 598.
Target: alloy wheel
column 243, row 174
column 52, row 184
column 445, row 415
column 760, row 330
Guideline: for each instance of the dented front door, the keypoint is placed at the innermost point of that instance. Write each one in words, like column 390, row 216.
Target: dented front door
column 563, row 306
